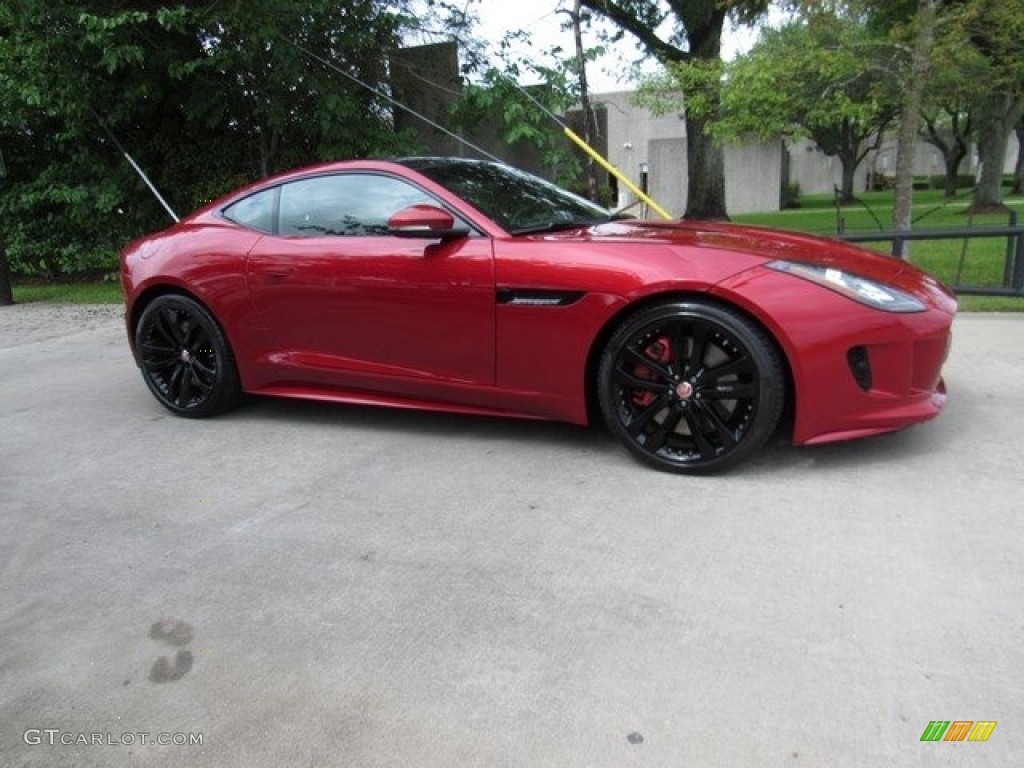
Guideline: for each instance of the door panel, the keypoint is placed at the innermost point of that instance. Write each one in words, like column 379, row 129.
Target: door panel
column 379, row 305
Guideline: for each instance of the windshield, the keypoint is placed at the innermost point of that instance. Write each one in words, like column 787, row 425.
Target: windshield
column 518, row 202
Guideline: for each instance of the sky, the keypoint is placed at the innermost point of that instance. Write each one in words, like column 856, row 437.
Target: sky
column 540, row 19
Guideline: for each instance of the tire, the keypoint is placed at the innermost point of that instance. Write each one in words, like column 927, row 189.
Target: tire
column 691, row 387
column 185, row 358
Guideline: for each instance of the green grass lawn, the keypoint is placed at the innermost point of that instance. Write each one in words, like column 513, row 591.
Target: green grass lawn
column 991, row 304
column 106, row 292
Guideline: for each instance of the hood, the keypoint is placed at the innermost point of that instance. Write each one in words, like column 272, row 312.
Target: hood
column 770, row 244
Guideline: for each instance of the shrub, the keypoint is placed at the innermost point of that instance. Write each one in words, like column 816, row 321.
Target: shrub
column 963, row 181
column 791, row 195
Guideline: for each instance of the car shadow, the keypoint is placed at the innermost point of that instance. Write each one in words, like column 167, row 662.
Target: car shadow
column 779, row 455
column 411, row 421
column 864, row 453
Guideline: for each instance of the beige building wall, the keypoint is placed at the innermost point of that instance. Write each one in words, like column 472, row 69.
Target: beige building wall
column 817, row 173
column 651, row 149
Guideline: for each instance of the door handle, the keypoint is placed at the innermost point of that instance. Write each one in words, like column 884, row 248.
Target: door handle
column 279, row 275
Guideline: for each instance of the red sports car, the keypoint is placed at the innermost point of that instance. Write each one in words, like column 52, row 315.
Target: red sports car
column 460, row 285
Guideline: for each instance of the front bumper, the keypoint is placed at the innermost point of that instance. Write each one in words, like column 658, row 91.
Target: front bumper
column 856, row 371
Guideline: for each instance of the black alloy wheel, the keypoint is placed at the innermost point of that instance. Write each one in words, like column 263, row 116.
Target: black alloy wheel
column 185, row 358
column 691, row 387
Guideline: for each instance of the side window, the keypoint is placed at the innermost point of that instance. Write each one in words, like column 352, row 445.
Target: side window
column 345, row 205
column 255, row 211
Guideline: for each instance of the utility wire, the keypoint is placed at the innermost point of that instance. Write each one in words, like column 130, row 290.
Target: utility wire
column 134, row 165
column 540, row 106
column 391, row 100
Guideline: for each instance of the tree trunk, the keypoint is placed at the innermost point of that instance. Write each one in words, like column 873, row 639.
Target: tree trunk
column 906, row 147
column 705, row 161
column 849, row 166
column 953, row 151
column 953, row 158
column 589, row 127
column 701, row 21
column 6, row 290
column 999, row 113
column 991, row 154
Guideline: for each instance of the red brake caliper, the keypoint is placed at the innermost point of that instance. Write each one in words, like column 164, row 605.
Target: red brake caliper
column 659, row 351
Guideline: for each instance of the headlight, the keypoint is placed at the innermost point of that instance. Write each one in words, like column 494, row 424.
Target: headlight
column 868, row 292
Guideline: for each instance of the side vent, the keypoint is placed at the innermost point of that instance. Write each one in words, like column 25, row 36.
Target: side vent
column 527, row 297
column 860, row 366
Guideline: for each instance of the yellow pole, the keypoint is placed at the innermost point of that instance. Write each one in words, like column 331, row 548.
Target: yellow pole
column 616, row 173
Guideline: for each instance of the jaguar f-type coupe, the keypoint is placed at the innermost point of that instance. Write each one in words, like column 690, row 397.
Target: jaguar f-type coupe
column 468, row 286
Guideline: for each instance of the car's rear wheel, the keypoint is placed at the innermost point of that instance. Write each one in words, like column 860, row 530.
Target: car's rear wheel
column 185, row 358
column 691, row 387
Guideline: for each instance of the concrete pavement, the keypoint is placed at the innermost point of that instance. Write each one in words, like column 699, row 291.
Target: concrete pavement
column 304, row 584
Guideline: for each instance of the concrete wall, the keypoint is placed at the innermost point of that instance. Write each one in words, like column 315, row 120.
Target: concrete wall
column 817, row 173
column 641, row 143
column 667, row 174
column 928, row 160
column 632, row 132
column 753, row 176
column 631, row 128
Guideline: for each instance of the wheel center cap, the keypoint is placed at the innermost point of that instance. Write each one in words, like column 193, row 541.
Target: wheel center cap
column 185, row 356
column 684, row 390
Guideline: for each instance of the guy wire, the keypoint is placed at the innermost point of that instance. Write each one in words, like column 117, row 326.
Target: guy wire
column 393, row 101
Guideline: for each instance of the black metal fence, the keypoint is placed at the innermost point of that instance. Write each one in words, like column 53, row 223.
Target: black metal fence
column 1013, row 233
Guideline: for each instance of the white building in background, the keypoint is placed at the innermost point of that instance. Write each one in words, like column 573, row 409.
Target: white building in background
column 929, row 162
column 651, row 150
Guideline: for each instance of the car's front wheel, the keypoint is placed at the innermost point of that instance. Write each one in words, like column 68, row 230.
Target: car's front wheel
column 185, row 358
column 691, row 387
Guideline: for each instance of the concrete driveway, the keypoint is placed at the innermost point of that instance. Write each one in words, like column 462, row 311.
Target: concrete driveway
column 303, row 584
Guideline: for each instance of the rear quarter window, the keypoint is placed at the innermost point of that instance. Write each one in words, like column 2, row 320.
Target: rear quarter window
column 255, row 211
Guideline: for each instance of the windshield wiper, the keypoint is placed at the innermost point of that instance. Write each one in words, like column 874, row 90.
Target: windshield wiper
column 559, row 226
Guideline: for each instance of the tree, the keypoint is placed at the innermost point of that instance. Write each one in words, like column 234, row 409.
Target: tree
column 286, row 107
column 694, row 36
column 977, row 79
column 61, row 183
column 950, row 130
column 991, row 36
column 589, row 123
column 204, row 96
column 910, row 108
column 837, row 90
column 6, row 289
column 933, row 75
column 521, row 117
column 6, row 292
column 492, row 104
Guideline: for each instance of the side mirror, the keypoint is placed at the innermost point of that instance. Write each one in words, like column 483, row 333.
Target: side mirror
column 425, row 221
